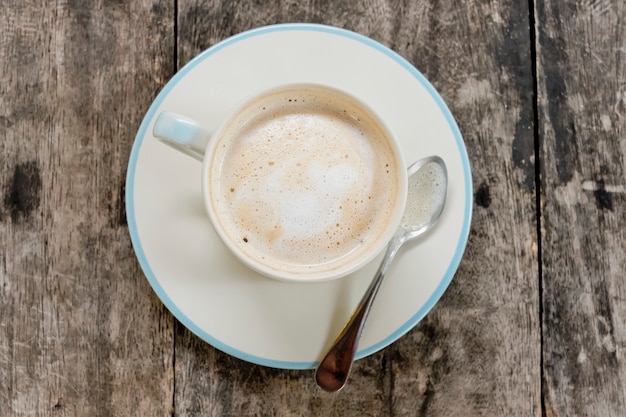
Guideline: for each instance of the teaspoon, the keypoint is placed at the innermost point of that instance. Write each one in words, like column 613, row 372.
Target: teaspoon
column 428, row 184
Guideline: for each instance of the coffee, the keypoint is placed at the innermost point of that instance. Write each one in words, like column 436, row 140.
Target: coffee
column 304, row 180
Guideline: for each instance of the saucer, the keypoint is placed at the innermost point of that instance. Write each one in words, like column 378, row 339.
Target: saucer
column 254, row 318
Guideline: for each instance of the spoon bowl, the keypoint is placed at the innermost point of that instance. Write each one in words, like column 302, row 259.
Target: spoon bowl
column 428, row 182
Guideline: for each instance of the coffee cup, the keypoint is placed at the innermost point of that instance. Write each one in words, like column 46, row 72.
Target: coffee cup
column 302, row 182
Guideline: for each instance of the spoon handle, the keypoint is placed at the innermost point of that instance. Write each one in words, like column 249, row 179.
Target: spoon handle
column 333, row 370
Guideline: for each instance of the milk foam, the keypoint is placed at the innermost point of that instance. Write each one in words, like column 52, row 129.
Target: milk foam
column 303, row 183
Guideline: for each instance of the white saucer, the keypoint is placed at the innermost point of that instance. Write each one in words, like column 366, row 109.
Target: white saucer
column 272, row 323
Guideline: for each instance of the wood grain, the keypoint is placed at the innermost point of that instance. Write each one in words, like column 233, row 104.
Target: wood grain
column 582, row 124
column 81, row 332
column 476, row 353
column 532, row 324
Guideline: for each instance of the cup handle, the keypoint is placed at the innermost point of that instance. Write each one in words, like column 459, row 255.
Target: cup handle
column 182, row 134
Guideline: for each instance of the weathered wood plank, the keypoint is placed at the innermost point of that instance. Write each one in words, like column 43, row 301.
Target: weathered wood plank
column 582, row 120
column 478, row 352
column 81, row 332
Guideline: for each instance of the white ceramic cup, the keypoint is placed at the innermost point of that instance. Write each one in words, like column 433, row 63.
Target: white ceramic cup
column 302, row 182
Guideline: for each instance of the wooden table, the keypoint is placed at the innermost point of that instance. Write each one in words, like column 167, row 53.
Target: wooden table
column 533, row 323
